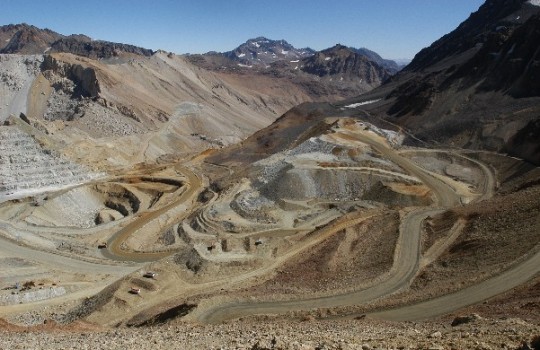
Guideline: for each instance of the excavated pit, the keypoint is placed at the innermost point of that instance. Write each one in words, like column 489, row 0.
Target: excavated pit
column 98, row 204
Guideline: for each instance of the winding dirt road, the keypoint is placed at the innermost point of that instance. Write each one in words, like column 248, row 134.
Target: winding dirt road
column 111, row 270
column 64, row 263
column 516, row 275
column 407, row 254
column 406, row 261
column 114, row 244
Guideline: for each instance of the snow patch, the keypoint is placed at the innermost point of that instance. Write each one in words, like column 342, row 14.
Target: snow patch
column 283, row 52
column 256, row 44
column 328, row 58
column 393, row 137
column 244, row 65
column 242, row 55
column 295, row 61
column 355, row 105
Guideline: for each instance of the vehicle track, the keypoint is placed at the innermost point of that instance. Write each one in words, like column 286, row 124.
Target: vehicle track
column 114, row 249
column 512, row 277
column 406, row 260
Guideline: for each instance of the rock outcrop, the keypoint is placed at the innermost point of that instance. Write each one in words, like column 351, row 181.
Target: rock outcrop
column 476, row 87
column 30, row 40
column 96, row 49
column 341, row 61
column 26, row 39
column 86, row 82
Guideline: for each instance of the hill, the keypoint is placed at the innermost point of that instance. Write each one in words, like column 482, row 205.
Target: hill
column 30, row 40
column 177, row 192
column 476, row 87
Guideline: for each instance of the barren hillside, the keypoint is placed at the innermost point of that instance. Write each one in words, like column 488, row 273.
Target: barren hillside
column 476, row 87
column 149, row 199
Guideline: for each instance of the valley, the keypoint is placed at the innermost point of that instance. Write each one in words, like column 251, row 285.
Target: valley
column 253, row 231
column 272, row 197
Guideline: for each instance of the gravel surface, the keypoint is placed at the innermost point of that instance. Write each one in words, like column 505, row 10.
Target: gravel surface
column 475, row 333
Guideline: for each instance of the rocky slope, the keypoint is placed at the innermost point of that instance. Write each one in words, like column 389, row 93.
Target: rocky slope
column 390, row 65
column 82, row 91
column 478, row 333
column 96, row 49
column 28, row 39
column 332, row 74
column 176, row 106
column 344, row 63
column 475, row 87
column 262, row 51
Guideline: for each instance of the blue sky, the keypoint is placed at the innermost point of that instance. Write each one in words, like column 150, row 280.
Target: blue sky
column 393, row 28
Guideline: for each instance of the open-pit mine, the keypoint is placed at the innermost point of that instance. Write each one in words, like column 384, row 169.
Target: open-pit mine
column 250, row 194
column 342, row 222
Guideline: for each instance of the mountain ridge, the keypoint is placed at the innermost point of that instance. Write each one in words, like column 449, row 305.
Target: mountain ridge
column 28, row 39
column 475, row 87
column 264, row 51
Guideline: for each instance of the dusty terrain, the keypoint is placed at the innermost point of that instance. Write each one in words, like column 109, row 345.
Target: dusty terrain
column 146, row 201
column 479, row 333
column 339, row 220
column 387, row 230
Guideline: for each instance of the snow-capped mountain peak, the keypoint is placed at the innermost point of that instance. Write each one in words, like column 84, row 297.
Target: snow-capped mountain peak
column 263, row 51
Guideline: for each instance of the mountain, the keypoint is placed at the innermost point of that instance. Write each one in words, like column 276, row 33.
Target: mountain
column 263, row 51
column 26, row 39
column 79, row 91
column 476, row 87
column 390, row 65
column 402, row 62
column 113, row 152
column 30, row 40
column 345, row 63
column 332, row 74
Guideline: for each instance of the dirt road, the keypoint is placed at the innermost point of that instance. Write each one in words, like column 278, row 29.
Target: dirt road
column 103, row 272
column 406, row 260
column 115, row 251
column 64, row 263
column 108, row 270
column 516, row 275
column 405, row 265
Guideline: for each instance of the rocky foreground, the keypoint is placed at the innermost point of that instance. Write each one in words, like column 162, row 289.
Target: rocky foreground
column 473, row 332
